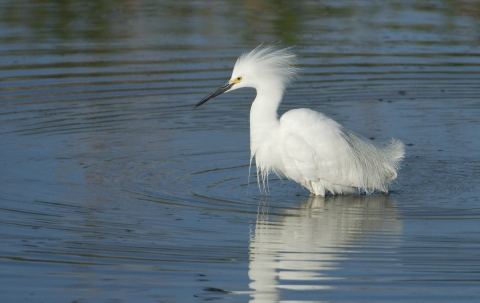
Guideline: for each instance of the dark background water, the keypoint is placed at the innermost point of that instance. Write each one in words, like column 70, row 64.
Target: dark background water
column 113, row 189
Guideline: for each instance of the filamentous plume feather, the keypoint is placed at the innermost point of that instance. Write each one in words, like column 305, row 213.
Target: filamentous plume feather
column 267, row 61
column 304, row 145
column 269, row 64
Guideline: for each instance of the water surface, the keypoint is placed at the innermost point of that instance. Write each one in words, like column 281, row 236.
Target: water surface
column 113, row 189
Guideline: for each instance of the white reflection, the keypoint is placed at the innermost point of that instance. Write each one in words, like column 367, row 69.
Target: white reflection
column 298, row 249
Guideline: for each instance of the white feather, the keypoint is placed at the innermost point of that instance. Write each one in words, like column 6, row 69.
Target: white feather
column 304, row 145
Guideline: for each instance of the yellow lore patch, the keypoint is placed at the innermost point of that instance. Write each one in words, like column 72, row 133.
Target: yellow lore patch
column 236, row 80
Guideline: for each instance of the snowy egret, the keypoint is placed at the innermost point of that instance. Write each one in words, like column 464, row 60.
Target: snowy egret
column 304, row 145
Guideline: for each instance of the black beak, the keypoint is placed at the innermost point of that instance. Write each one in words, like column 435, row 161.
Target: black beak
column 219, row 91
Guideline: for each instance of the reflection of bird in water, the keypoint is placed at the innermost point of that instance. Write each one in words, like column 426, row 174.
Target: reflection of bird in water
column 298, row 250
column 304, row 145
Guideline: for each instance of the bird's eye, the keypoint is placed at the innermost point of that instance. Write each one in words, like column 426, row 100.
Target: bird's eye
column 239, row 78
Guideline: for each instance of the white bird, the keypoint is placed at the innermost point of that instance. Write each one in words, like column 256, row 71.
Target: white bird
column 304, row 145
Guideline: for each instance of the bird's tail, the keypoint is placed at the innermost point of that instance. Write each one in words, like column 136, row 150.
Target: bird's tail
column 375, row 165
column 394, row 151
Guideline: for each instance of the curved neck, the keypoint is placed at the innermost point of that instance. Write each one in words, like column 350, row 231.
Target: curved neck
column 264, row 121
column 264, row 107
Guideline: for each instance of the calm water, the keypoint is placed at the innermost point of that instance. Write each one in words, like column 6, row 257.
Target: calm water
column 113, row 189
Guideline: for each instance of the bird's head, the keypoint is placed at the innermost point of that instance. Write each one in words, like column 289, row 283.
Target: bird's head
column 261, row 66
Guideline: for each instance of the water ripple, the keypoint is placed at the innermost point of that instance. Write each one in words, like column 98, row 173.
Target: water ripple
column 112, row 183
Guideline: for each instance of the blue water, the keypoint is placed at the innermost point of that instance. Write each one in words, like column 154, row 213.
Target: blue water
column 113, row 189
